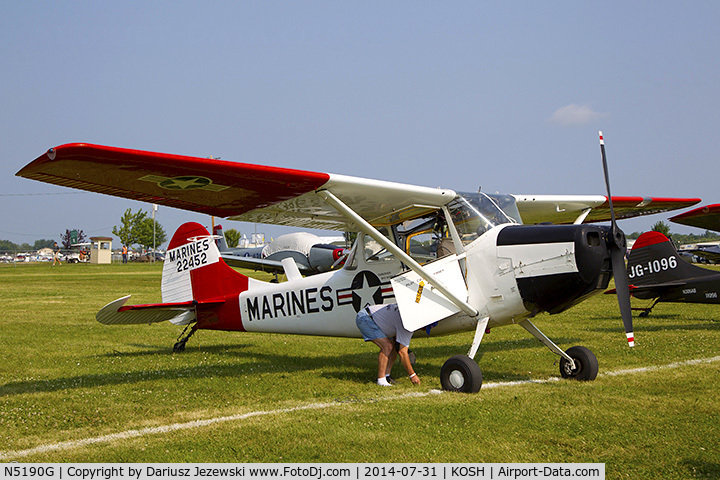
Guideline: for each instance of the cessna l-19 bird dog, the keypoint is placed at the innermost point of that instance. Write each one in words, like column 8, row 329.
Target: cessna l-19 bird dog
column 492, row 270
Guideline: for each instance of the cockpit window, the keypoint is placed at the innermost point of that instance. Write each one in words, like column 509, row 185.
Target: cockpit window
column 374, row 252
column 475, row 213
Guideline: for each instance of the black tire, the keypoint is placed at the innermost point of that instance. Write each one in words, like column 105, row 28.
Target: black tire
column 586, row 364
column 461, row 374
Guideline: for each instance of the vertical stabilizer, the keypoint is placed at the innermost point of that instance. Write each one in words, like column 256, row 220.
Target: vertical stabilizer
column 220, row 240
column 193, row 269
column 654, row 260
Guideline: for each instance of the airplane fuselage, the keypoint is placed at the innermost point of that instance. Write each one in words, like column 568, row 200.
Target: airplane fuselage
column 509, row 273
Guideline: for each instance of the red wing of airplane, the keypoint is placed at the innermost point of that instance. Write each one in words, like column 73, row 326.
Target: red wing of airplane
column 239, row 191
column 707, row 217
column 281, row 196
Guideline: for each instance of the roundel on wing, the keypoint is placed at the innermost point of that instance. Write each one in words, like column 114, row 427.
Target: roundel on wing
column 185, row 183
column 366, row 290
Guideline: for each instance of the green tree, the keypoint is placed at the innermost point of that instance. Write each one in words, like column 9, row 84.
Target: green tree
column 7, row 246
column 232, row 237
column 144, row 233
column 129, row 224
column 43, row 243
column 661, row 227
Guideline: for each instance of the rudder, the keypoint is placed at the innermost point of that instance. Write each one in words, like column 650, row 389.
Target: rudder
column 194, row 270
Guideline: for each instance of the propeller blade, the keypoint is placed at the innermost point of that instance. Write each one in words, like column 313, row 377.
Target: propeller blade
column 623, row 292
column 617, row 255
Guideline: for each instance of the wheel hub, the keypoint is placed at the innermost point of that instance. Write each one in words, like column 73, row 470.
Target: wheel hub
column 571, row 369
column 457, row 380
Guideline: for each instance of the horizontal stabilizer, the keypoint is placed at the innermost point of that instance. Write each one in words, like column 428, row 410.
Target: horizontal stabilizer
column 657, row 286
column 116, row 313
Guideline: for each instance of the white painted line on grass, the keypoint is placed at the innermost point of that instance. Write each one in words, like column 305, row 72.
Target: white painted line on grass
column 128, row 434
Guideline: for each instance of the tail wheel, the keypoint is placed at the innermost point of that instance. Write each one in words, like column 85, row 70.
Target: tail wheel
column 461, row 374
column 586, row 364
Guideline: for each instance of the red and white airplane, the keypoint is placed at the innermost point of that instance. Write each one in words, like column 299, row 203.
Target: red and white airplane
column 452, row 261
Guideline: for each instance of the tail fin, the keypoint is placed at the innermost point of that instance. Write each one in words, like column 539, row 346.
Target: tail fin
column 654, row 260
column 197, row 286
column 193, row 268
column 221, row 242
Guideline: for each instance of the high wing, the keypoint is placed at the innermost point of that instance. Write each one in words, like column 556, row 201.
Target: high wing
column 281, row 196
column 564, row 209
column 707, row 217
column 238, row 191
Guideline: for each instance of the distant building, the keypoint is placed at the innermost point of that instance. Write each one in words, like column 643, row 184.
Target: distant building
column 101, row 250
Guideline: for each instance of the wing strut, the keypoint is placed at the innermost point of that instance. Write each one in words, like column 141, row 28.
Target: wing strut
column 395, row 250
column 581, row 218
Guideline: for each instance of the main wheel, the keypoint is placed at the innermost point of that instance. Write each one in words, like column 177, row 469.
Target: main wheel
column 461, row 374
column 586, row 364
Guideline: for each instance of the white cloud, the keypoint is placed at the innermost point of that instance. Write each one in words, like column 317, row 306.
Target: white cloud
column 574, row 114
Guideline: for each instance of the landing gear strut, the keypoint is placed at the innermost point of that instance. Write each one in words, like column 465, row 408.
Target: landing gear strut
column 646, row 311
column 180, row 345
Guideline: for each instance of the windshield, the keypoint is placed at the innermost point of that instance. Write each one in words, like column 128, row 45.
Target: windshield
column 475, row 213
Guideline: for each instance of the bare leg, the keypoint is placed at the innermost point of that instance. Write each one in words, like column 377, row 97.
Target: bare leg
column 386, row 349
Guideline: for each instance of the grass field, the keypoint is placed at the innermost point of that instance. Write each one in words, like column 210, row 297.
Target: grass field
column 74, row 390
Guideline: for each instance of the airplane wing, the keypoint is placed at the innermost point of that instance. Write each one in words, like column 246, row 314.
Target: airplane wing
column 562, row 209
column 262, row 264
column 708, row 254
column 281, row 196
column 707, row 217
column 238, row 191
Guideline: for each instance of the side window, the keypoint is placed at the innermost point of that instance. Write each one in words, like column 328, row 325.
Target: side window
column 422, row 246
column 376, row 253
column 368, row 251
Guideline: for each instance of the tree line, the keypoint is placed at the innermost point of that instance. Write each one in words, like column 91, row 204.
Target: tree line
column 134, row 229
column 679, row 238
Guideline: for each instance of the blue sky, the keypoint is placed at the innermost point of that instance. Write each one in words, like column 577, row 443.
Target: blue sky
column 507, row 95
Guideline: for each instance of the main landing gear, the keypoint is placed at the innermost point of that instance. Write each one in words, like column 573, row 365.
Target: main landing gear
column 646, row 311
column 462, row 374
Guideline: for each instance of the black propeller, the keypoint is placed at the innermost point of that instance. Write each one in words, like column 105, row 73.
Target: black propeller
column 617, row 254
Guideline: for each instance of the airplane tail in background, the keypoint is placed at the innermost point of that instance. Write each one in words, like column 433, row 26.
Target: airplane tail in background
column 654, row 260
column 221, row 242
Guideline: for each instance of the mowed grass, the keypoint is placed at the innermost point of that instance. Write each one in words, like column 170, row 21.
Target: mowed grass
column 64, row 377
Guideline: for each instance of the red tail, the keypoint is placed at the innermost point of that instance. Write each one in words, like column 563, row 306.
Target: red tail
column 193, row 270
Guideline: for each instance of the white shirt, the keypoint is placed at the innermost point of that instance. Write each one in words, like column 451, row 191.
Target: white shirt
column 387, row 317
